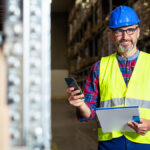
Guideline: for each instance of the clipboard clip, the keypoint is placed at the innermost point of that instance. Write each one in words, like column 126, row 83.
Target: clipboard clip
column 136, row 119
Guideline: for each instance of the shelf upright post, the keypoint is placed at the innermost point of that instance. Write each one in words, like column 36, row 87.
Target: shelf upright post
column 110, row 6
column 36, row 74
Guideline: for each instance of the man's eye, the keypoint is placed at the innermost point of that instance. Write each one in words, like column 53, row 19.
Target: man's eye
column 118, row 31
column 131, row 29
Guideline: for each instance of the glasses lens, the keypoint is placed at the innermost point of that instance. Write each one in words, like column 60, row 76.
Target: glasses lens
column 118, row 32
column 129, row 31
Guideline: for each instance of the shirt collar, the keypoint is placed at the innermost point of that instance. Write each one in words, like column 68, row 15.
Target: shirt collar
column 129, row 58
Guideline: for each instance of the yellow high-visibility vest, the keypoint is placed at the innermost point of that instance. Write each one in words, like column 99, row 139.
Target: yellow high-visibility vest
column 114, row 92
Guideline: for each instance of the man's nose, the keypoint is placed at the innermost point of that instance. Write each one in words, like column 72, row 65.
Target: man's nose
column 125, row 35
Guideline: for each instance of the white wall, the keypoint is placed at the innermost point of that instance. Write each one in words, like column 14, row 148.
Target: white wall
column 58, row 85
column 59, row 62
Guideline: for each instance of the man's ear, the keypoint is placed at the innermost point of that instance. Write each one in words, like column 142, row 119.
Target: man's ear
column 138, row 33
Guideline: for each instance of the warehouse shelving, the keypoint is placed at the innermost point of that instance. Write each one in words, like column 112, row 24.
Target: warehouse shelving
column 89, row 39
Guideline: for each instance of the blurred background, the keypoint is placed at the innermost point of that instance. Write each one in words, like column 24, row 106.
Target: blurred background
column 41, row 43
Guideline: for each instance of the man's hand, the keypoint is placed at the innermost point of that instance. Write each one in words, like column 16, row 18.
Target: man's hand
column 78, row 101
column 74, row 98
column 140, row 128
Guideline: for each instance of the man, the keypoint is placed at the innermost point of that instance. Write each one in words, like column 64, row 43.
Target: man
column 121, row 79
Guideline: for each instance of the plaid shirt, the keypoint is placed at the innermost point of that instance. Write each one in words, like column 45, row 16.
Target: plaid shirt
column 91, row 90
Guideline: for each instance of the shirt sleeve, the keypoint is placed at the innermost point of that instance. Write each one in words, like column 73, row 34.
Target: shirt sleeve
column 91, row 91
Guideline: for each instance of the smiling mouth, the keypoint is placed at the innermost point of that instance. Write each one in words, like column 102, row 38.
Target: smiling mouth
column 124, row 43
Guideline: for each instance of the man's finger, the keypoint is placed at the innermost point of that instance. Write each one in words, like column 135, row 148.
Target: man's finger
column 69, row 90
column 76, row 92
column 135, row 124
column 76, row 97
column 132, row 125
column 76, row 101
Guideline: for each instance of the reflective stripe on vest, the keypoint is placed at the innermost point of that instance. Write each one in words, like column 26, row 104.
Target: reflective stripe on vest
column 137, row 102
column 129, row 102
column 112, row 102
column 114, row 92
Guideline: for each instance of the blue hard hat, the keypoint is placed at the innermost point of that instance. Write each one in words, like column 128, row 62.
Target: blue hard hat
column 123, row 16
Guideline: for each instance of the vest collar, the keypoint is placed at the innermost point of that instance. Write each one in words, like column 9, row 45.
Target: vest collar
column 129, row 58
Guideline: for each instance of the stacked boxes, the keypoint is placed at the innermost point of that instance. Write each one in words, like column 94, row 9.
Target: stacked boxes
column 85, row 20
column 89, row 37
column 84, row 39
column 142, row 7
column 78, row 15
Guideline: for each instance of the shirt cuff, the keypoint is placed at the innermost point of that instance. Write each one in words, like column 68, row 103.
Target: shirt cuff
column 81, row 119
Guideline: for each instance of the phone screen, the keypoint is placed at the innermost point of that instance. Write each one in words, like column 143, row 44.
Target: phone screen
column 71, row 82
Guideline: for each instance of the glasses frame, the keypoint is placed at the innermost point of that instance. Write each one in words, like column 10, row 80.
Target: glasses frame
column 127, row 31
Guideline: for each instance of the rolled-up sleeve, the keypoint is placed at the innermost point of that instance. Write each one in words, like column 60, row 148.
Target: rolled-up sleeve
column 91, row 91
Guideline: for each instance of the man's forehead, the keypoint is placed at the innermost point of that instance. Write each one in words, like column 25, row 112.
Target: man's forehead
column 124, row 28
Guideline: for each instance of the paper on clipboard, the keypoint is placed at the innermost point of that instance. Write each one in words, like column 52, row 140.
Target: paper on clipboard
column 116, row 118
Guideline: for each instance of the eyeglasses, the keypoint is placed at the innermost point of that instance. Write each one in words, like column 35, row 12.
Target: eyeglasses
column 129, row 31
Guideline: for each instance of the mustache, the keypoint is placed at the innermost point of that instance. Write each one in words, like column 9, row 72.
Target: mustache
column 125, row 41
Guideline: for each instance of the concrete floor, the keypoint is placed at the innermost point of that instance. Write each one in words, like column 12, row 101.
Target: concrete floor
column 67, row 132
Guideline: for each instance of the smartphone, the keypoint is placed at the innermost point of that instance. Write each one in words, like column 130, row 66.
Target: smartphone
column 71, row 82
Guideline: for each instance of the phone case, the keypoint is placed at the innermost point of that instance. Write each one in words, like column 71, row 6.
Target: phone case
column 71, row 82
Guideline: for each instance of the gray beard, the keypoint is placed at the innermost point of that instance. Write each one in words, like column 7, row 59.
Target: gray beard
column 123, row 50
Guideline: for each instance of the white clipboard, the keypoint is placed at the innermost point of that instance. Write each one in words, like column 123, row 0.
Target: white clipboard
column 116, row 118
